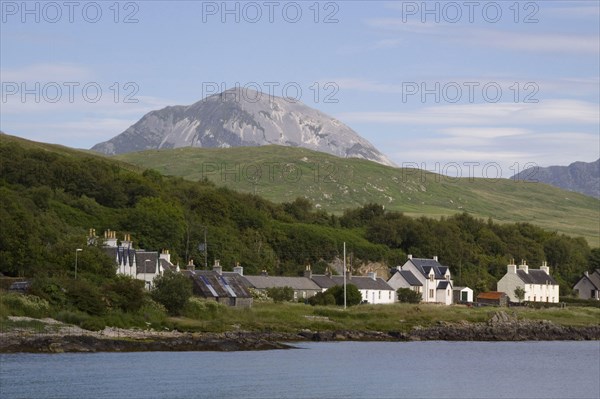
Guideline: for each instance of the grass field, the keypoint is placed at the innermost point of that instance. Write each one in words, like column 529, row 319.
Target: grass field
column 290, row 317
column 282, row 174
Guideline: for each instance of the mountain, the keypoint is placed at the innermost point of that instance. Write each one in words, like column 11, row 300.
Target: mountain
column 581, row 177
column 242, row 118
column 281, row 174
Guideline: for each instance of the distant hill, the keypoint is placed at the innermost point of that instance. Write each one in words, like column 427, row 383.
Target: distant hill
column 242, row 118
column 283, row 173
column 581, row 177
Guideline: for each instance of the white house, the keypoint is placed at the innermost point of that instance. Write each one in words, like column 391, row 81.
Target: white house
column 426, row 276
column 588, row 286
column 136, row 263
column 538, row 285
column 374, row 290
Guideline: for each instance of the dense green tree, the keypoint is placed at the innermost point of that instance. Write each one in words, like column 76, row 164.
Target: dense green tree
column 353, row 295
column 172, row 290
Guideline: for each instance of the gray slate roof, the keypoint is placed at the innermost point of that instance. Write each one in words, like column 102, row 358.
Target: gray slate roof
column 535, row 277
column 141, row 264
column 362, row 283
column 297, row 283
column 593, row 278
column 410, row 278
column 425, row 265
column 210, row 284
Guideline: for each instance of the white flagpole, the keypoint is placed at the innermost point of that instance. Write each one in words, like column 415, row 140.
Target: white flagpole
column 344, row 275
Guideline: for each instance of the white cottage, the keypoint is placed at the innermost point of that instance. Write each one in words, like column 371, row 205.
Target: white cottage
column 374, row 290
column 136, row 263
column 426, row 276
column 538, row 285
column 588, row 286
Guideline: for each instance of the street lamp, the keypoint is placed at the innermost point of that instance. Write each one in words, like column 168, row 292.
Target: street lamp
column 76, row 251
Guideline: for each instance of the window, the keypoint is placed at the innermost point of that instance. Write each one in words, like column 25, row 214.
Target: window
column 430, row 293
column 389, row 294
column 547, row 299
column 447, row 278
column 592, row 294
column 379, row 294
column 431, row 278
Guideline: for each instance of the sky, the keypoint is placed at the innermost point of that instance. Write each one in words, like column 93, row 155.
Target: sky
column 470, row 88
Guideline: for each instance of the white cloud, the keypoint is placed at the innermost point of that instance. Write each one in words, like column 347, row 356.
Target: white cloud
column 545, row 112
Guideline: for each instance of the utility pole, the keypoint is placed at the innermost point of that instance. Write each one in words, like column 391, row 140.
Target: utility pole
column 344, row 274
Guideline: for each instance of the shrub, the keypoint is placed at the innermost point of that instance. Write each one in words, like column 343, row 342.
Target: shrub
column 406, row 295
column 353, row 295
column 172, row 290
column 281, row 294
column 71, row 317
column 200, row 309
column 125, row 293
column 93, row 324
column 24, row 305
column 322, row 299
column 86, row 297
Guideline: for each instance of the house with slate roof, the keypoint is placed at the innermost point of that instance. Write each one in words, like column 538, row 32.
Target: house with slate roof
column 136, row 263
column 588, row 286
column 374, row 290
column 539, row 286
column 426, row 276
column 303, row 287
column 228, row 288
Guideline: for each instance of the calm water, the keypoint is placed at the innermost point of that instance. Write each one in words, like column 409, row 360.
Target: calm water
column 318, row 370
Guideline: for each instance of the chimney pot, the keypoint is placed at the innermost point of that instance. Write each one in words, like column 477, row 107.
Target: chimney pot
column 435, row 258
column 409, row 256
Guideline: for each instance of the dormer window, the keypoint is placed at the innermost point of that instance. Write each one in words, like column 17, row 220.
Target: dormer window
column 431, row 277
column 447, row 278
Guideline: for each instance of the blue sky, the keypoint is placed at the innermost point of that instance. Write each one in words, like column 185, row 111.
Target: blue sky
column 505, row 84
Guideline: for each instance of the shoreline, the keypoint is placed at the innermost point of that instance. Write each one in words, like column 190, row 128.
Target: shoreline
column 75, row 339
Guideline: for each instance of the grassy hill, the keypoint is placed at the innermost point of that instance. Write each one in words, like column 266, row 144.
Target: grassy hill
column 281, row 174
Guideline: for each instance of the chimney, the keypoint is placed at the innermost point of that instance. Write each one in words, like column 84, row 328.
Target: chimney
column 190, row 266
column 409, row 257
column 373, row 275
column 511, row 268
column 545, row 268
column 307, row 272
column 586, row 273
column 435, row 258
column 165, row 255
column 349, row 273
column 217, row 267
column 126, row 243
column 523, row 266
column 328, row 271
column 238, row 269
column 110, row 238
column 264, row 273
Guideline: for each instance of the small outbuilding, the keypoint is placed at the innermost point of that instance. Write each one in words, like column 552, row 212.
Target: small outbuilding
column 462, row 294
column 494, row 298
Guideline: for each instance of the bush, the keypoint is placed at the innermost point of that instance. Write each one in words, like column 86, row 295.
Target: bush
column 70, row 317
column 322, row 299
column 200, row 309
column 14, row 304
column 172, row 290
column 281, row 294
column 93, row 324
column 353, row 295
column 406, row 295
column 125, row 293
column 86, row 297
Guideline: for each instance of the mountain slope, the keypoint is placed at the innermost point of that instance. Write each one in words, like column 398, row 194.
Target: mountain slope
column 581, row 177
column 282, row 173
column 237, row 118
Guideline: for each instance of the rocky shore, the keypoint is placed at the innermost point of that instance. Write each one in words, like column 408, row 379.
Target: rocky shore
column 501, row 327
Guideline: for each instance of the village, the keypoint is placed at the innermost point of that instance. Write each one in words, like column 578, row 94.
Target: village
column 427, row 277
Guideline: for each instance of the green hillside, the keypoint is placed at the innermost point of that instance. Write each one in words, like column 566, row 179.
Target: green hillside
column 282, row 174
